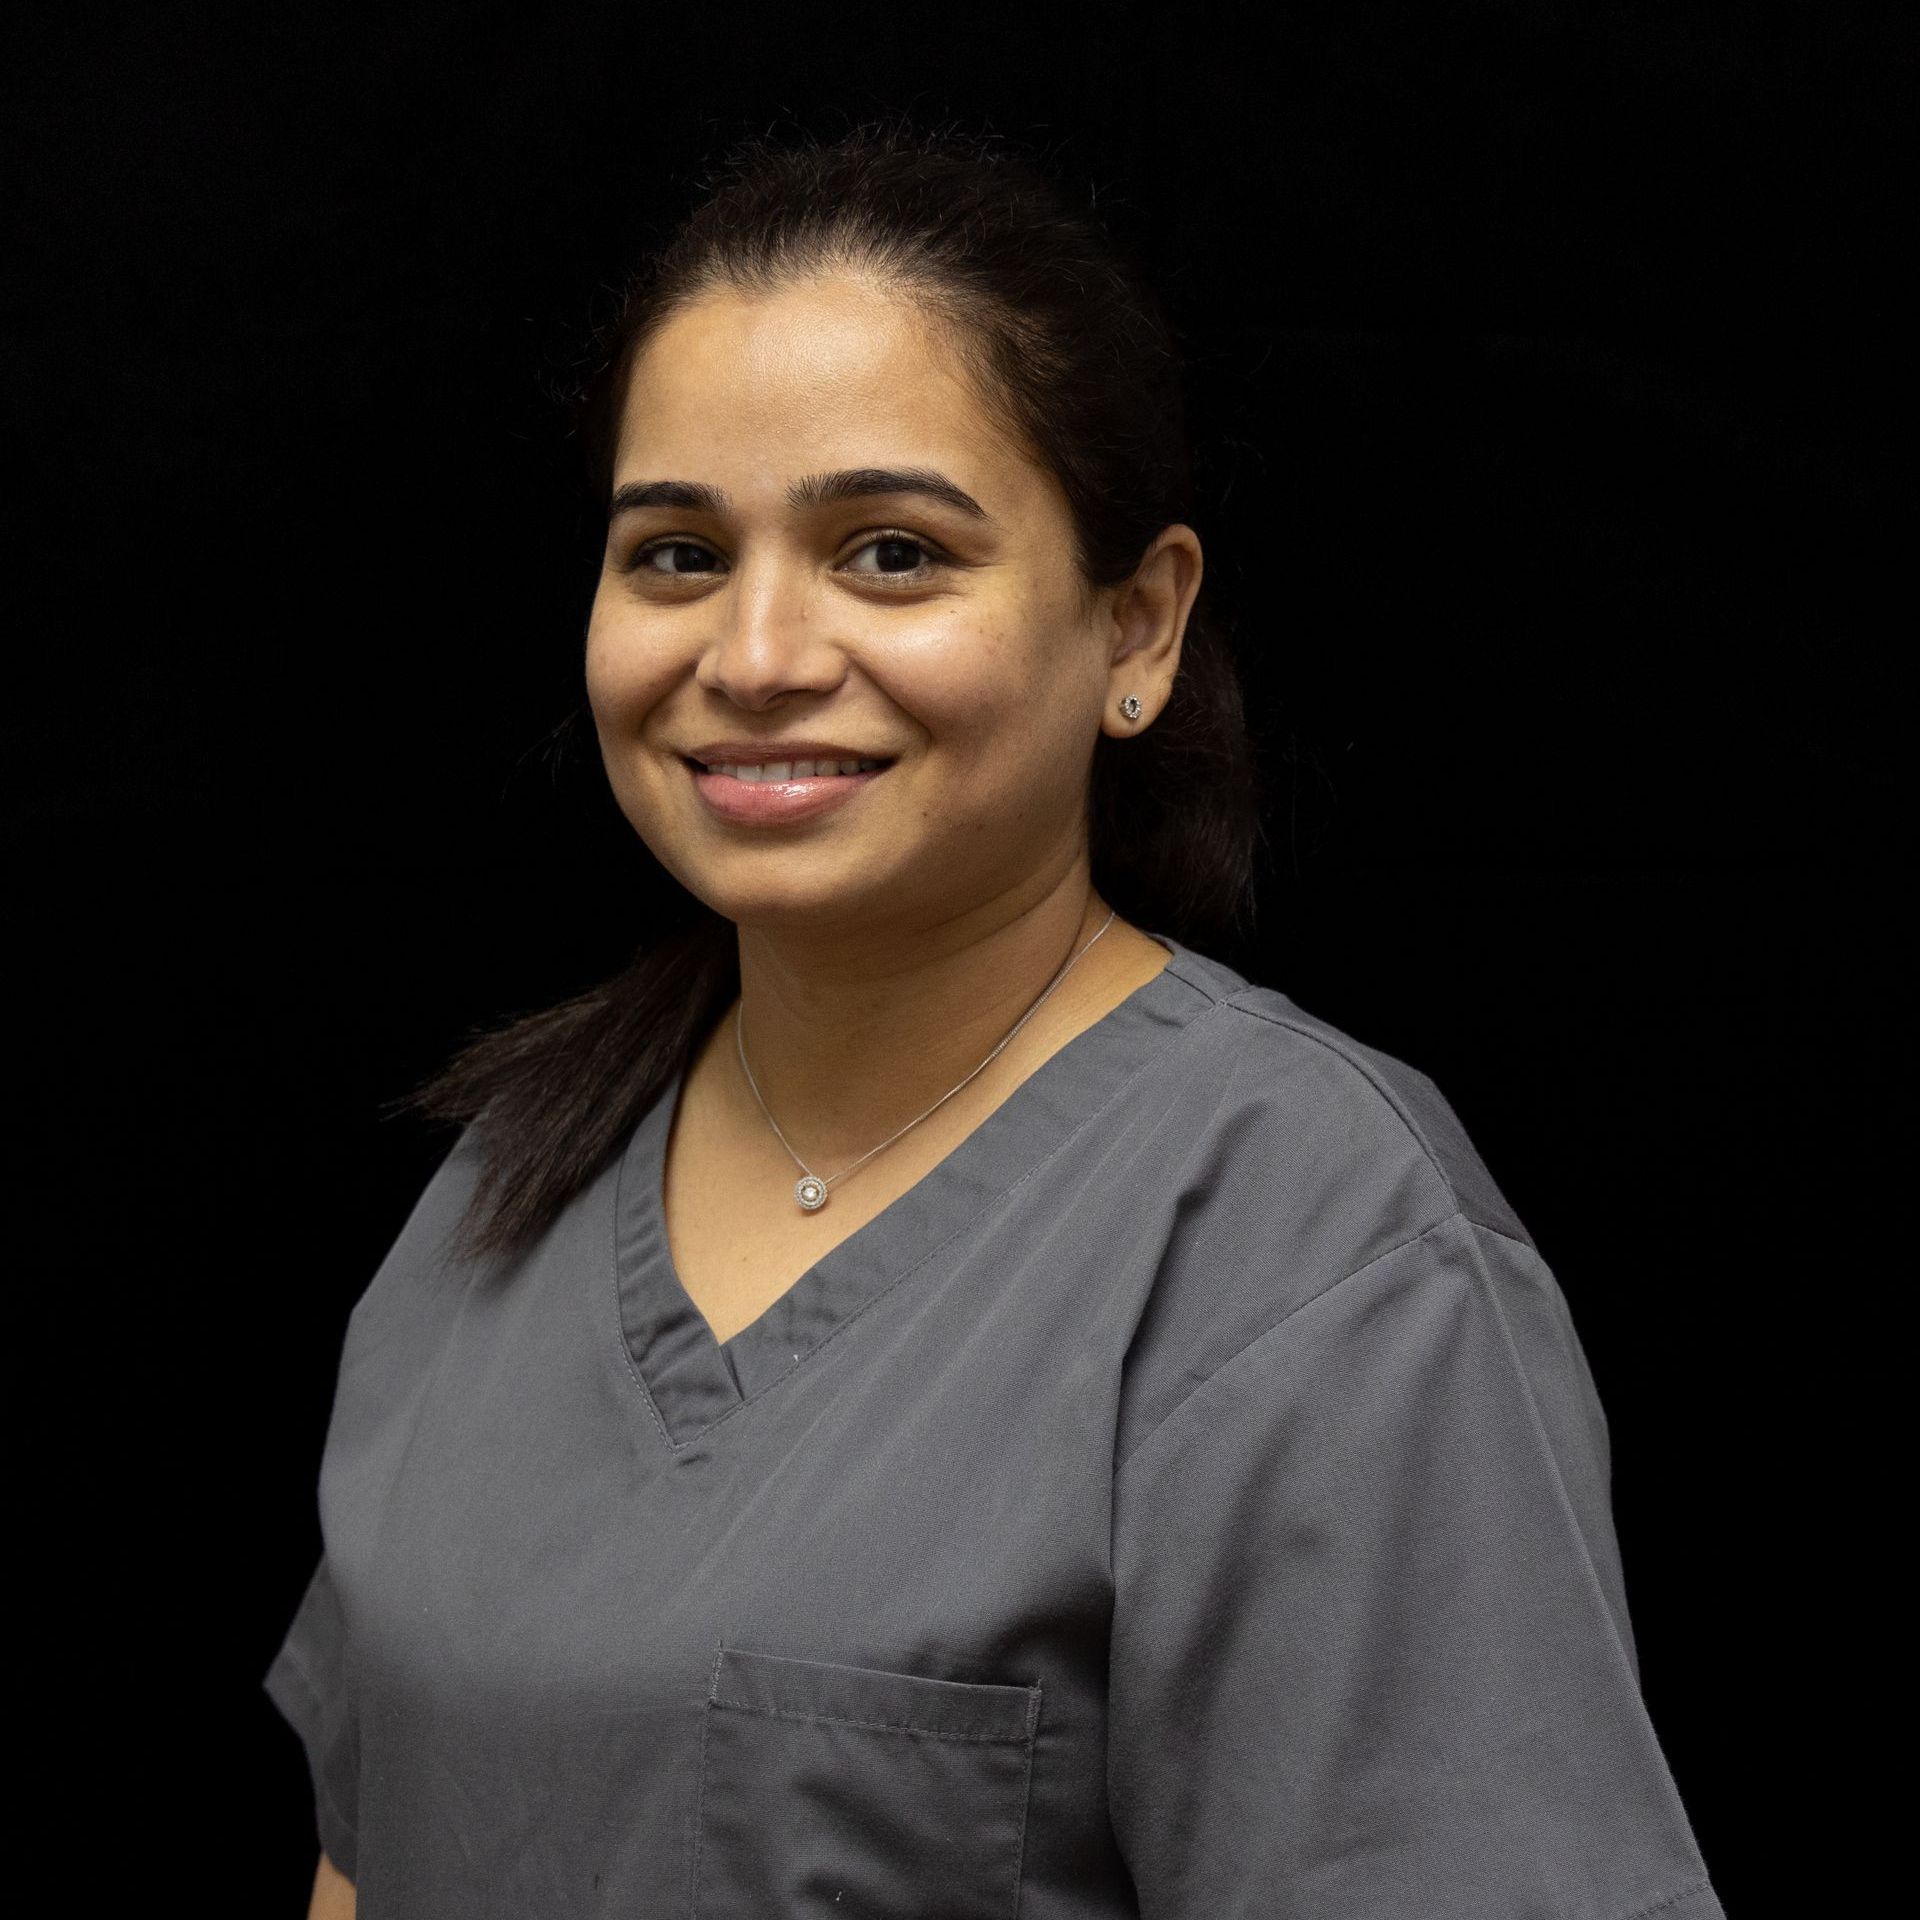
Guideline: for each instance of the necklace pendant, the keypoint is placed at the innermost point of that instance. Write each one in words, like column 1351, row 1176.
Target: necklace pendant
column 811, row 1193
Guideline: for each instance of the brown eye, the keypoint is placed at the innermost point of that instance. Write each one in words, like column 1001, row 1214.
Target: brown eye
column 896, row 556
column 679, row 556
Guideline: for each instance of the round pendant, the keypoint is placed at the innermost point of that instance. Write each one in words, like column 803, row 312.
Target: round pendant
column 811, row 1192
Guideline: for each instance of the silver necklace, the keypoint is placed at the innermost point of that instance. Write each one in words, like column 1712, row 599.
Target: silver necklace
column 810, row 1190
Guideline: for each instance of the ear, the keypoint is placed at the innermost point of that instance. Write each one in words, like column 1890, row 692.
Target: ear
column 1149, row 616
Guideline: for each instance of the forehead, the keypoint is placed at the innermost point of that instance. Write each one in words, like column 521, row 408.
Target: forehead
column 831, row 372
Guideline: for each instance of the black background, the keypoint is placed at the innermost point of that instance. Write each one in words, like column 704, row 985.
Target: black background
column 1554, row 477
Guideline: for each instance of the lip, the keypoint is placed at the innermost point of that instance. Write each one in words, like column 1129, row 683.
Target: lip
column 766, row 803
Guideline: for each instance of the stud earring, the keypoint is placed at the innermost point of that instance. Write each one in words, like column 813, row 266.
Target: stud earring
column 1130, row 707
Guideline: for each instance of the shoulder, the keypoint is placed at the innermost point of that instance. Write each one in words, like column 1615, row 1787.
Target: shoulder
column 1318, row 1156
column 1293, row 1082
column 1375, row 1094
column 421, row 1276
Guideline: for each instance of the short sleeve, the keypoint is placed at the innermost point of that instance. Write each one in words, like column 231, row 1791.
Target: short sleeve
column 309, row 1681
column 1370, row 1653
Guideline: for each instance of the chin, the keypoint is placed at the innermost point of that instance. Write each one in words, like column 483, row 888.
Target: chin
column 800, row 902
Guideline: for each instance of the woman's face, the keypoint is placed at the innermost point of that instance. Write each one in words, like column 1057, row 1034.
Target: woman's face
column 820, row 534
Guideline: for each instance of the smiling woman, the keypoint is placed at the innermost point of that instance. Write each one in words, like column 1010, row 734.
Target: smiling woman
column 1163, row 1479
column 848, row 530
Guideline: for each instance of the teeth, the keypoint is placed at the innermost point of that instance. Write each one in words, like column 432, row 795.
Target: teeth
column 794, row 769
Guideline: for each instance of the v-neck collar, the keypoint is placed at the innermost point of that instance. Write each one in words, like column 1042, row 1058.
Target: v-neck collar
column 694, row 1380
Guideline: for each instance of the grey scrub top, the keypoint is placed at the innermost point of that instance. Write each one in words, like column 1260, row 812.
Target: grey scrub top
column 1190, row 1499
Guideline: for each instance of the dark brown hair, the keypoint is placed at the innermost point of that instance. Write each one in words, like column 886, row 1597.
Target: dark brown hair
column 1075, row 353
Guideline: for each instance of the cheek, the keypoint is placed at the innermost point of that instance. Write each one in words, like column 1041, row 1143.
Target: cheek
column 967, row 694
column 990, row 674
column 622, row 670
column 1024, row 686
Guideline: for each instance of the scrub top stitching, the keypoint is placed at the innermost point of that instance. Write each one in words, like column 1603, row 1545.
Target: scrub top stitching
column 1214, row 1006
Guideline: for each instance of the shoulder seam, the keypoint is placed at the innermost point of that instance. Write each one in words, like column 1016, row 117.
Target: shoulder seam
column 1512, row 1239
column 1381, row 1089
column 1246, row 1346
column 1178, row 968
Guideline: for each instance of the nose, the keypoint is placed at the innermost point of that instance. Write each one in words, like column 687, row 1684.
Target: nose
column 769, row 636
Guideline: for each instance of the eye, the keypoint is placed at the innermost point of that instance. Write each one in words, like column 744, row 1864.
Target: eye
column 897, row 557
column 679, row 556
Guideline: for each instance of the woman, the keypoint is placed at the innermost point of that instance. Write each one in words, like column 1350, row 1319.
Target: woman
column 931, row 1395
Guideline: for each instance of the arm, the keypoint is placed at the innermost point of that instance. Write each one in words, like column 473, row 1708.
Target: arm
column 309, row 1682
column 333, row 1895
column 1369, row 1651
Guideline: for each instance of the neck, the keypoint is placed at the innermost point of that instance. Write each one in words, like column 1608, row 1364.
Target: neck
column 848, row 1042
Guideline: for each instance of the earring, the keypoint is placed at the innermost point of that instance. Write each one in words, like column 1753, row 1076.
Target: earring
column 1130, row 707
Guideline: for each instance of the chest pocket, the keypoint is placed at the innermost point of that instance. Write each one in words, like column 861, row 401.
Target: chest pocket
column 859, row 1793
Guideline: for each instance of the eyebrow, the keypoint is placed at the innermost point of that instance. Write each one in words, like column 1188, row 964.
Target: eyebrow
column 817, row 489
